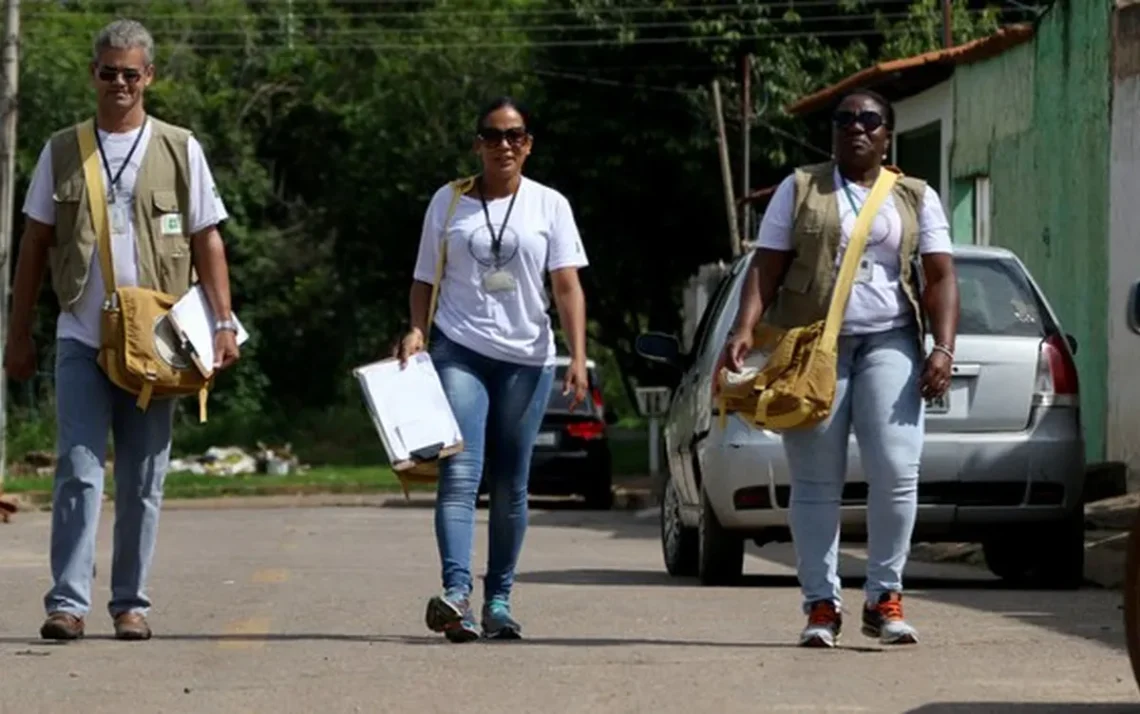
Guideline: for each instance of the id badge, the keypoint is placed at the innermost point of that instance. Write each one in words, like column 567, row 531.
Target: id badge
column 119, row 218
column 498, row 281
column 866, row 271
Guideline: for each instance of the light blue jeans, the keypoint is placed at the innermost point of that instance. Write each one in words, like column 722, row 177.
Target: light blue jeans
column 879, row 396
column 88, row 406
column 499, row 407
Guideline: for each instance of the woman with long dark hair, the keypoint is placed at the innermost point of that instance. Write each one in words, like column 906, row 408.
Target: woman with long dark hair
column 493, row 345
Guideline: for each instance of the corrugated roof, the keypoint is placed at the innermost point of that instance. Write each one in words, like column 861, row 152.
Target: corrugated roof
column 973, row 51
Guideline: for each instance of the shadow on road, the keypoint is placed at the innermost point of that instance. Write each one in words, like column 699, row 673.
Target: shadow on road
column 431, row 640
column 1014, row 708
column 1091, row 613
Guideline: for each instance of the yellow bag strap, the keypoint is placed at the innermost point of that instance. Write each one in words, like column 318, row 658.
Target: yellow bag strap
column 458, row 188
column 883, row 185
column 97, row 200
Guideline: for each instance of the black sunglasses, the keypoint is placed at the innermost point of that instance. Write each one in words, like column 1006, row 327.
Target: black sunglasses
column 108, row 74
column 515, row 136
column 869, row 120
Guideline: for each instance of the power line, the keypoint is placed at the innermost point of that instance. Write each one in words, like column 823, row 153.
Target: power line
column 595, row 42
column 570, row 28
column 529, row 12
column 353, row 31
column 684, row 91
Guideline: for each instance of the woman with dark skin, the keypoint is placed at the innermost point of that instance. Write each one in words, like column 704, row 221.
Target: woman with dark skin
column 883, row 376
column 493, row 345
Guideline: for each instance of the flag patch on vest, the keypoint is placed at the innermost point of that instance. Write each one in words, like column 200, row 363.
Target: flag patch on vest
column 171, row 224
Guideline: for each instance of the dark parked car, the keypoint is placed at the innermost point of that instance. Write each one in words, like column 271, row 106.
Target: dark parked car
column 572, row 453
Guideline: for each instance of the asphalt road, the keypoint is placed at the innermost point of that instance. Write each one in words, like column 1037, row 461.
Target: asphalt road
column 321, row 610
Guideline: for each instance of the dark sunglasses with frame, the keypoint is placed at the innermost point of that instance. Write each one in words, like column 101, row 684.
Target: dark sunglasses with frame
column 515, row 136
column 108, row 73
column 868, row 119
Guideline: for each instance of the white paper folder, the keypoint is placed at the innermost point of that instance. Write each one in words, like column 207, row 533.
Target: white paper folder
column 410, row 410
column 194, row 322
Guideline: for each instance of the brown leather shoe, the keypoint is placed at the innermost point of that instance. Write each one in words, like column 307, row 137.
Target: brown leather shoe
column 62, row 626
column 131, row 626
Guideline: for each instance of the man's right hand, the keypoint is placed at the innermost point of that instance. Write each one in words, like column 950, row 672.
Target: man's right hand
column 20, row 358
column 412, row 343
column 737, row 349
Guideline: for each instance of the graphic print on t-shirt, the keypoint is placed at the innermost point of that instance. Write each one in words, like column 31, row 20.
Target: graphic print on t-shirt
column 479, row 245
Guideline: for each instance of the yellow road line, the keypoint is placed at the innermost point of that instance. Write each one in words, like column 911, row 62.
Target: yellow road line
column 245, row 634
column 270, row 575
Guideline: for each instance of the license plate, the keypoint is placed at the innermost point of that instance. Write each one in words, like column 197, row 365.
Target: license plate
column 546, row 438
column 938, row 405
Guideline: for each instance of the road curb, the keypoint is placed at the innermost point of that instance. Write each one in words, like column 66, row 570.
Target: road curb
column 626, row 498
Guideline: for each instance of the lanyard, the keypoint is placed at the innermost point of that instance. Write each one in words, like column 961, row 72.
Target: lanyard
column 850, row 198
column 119, row 174
column 497, row 240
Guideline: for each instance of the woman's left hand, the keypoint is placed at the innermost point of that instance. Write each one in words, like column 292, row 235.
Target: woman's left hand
column 936, row 375
column 577, row 382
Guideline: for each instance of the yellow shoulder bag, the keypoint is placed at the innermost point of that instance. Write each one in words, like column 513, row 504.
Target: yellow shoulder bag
column 139, row 350
column 428, row 471
column 795, row 387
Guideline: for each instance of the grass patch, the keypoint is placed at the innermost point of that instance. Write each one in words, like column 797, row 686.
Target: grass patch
column 360, row 479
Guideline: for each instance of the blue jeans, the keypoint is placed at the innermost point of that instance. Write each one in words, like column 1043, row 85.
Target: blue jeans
column 88, row 406
column 878, row 395
column 499, row 407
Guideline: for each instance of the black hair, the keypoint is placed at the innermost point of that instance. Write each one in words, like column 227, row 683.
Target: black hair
column 498, row 103
column 888, row 110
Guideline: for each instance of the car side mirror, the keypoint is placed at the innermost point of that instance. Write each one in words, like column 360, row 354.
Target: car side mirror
column 659, row 347
column 1134, row 308
column 1072, row 343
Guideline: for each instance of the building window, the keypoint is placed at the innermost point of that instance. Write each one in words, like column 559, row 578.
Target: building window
column 918, row 152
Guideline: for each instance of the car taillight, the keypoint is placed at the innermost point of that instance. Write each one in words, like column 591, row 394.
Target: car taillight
column 599, row 403
column 586, row 429
column 1056, row 383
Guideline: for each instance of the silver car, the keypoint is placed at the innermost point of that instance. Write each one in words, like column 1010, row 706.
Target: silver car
column 1003, row 460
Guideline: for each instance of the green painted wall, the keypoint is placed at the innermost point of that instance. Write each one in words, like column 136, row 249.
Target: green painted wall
column 962, row 210
column 1036, row 120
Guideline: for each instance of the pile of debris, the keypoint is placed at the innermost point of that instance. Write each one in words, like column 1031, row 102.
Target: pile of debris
column 235, row 461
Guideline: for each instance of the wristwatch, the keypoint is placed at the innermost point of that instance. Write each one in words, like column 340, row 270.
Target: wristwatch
column 226, row 325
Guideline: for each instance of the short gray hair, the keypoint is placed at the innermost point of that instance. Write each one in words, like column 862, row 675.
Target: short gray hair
column 125, row 35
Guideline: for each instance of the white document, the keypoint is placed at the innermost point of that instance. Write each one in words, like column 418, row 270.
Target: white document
column 408, row 406
column 194, row 321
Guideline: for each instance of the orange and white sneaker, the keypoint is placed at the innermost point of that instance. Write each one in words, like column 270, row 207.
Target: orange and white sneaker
column 884, row 621
column 823, row 626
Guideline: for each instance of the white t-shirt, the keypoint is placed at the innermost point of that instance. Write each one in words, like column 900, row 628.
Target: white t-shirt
column 877, row 302
column 206, row 209
column 512, row 325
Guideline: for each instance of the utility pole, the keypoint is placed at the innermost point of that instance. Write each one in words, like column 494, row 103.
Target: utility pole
column 746, row 141
column 725, row 170
column 947, row 30
column 10, row 58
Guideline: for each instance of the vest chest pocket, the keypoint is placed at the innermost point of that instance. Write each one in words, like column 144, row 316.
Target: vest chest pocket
column 66, row 199
column 172, row 245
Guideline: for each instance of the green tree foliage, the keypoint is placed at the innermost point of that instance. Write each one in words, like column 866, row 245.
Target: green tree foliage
column 330, row 123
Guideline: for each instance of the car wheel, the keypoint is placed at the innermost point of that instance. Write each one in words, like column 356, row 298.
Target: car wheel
column 601, row 496
column 720, row 557
column 678, row 542
column 1052, row 556
column 1132, row 598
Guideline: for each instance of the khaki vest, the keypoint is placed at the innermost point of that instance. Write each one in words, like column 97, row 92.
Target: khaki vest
column 162, row 188
column 805, row 293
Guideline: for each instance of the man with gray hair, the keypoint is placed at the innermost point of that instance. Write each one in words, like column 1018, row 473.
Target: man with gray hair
column 163, row 210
